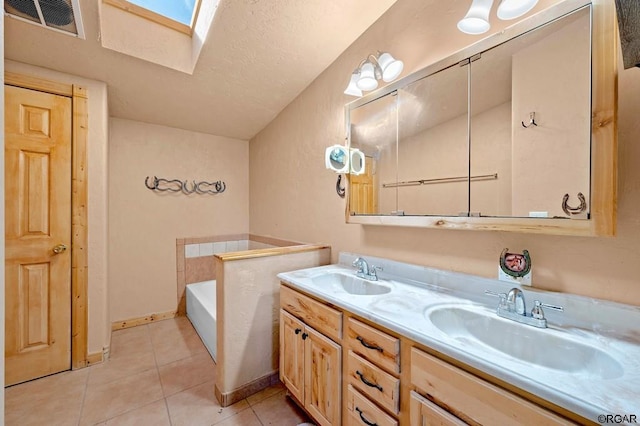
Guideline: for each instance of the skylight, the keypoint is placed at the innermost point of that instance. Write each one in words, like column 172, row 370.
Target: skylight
column 178, row 10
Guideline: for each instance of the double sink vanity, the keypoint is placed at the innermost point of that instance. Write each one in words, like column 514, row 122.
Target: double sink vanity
column 405, row 344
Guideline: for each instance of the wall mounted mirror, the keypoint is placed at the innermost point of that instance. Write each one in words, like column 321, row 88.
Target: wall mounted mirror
column 336, row 158
column 507, row 134
column 356, row 162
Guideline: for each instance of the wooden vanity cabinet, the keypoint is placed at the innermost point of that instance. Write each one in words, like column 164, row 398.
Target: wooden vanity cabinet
column 363, row 412
column 425, row 412
column 372, row 371
column 470, row 398
column 310, row 362
column 319, row 366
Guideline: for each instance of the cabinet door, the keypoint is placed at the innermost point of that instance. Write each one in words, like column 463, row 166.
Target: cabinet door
column 292, row 354
column 424, row 412
column 322, row 386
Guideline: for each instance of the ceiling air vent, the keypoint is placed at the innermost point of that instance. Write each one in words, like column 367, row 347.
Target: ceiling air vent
column 58, row 15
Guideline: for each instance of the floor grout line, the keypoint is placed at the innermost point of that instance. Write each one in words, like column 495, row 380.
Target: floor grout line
column 257, row 416
column 84, row 396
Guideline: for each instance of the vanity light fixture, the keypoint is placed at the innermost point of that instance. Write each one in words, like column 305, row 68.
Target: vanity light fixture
column 381, row 66
column 476, row 21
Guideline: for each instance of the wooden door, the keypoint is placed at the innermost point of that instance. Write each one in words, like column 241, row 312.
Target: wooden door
column 322, row 384
column 292, row 354
column 37, row 220
column 363, row 197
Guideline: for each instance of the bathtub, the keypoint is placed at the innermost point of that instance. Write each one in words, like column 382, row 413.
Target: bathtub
column 201, row 311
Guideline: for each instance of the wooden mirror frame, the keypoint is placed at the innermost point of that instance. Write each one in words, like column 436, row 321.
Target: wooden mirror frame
column 604, row 132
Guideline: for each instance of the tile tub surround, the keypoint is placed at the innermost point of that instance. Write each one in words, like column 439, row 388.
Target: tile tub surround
column 194, row 257
column 609, row 326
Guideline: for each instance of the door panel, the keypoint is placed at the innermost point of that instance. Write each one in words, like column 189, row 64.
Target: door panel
column 37, row 218
column 292, row 354
column 323, row 369
column 363, row 190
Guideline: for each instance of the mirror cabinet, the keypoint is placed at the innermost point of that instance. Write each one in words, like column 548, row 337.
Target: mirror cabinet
column 514, row 133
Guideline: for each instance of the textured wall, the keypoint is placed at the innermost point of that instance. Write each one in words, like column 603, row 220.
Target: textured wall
column 293, row 196
column 248, row 309
column 145, row 224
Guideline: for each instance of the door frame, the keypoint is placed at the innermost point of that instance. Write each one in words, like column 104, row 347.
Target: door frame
column 79, row 206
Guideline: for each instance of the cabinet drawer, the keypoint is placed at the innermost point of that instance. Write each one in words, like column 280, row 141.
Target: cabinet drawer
column 425, row 412
column 374, row 345
column 471, row 398
column 324, row 319
column 363, row 412
column 380, row 386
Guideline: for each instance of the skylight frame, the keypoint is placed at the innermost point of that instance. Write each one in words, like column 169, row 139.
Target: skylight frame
column 156, row 17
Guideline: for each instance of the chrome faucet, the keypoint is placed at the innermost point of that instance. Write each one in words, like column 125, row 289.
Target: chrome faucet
column 365, row 271
column 512, row 306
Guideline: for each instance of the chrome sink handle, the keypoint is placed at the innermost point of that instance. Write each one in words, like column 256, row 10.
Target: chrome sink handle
column 373, row 275
column 537, row 311
column 502, row 296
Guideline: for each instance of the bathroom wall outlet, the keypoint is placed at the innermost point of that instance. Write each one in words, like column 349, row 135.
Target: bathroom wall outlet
column 526, row 280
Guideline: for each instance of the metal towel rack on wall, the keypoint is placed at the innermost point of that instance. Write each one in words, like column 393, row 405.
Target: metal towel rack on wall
column 176, row 185
column 439, row 180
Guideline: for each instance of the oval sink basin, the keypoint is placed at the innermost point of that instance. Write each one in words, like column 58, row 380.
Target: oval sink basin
column 351, row 284
column 525, row 343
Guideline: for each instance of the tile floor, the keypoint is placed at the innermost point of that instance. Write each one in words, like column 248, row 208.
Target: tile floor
column 158, row 374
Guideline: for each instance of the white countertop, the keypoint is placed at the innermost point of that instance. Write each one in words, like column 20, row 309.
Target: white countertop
column 613, row 328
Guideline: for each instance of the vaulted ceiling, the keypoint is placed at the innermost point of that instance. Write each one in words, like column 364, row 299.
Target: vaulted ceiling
column 259, row 55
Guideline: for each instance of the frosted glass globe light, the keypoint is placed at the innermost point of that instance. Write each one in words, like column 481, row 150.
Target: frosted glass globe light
column 476, row 21
column 367, row 80
column 511, row 9
column 352, row 88
column 391, row 67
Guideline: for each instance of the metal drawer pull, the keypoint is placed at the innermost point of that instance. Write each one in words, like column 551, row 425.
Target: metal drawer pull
column 368, row 345
column 368, row 383
column 365, row 421
column 304, row 336
column 298, row 330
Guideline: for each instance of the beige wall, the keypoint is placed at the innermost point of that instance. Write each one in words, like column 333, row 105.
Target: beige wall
column 99, row 332
column 293, row 196
column 248, row 312
column 551, row 77
column 145, row 224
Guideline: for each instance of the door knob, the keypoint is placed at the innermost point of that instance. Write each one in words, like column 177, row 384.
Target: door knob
column 60, row 248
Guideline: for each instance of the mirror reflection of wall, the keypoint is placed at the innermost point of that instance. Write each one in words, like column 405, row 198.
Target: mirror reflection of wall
column 552, row 76
column 433, row 155
column 374, row 132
